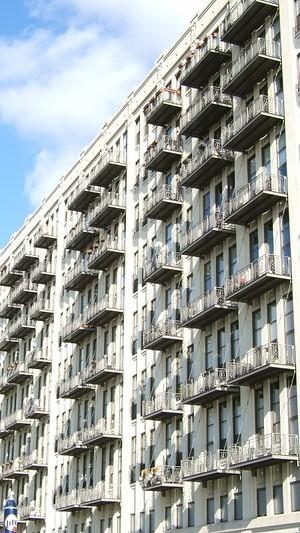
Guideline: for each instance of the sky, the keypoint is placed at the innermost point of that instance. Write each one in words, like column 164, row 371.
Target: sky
column 65, row 67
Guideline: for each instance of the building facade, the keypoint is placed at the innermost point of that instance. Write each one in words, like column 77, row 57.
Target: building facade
column 148, row 310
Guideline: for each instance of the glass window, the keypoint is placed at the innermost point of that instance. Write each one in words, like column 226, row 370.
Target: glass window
column 259, row 411
column 285, row 235
column 232, row 260
column 289, row 321
column 261, row 501
column 237, row 419
column 224, row 508
column 223, row 425
column 238, row 506
column 218, row 195
column 266, row 159
column 151, row 521
column 207, row 276
column 190, row 436
column 169, row 237
column 295, row 496
column 168, row 442
column 191, row 514
column 272, row 321
column 206, row 205
column 254, row 248
column 234, row 340
column 281, row 147
column 278, row 499
column 230, row 185
column 210, row 510
column 220, row 270
column 142, row 522
column 208, row 352
column 168, row 518
column 251, row 168
column 189, row 289
column 179, row 516
column 275, row 407
column 256, row 328
column 210, row 428
column 292, row 406
column 221, row 348
column 268, row 236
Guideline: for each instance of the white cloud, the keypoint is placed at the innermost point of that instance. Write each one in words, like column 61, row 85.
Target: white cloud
column 57, row 88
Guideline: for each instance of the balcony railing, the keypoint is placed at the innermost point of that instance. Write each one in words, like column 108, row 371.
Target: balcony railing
column 14, row 469
column 253, row 64
column 9, row 309
column 108, row 251
column 18, row 373
column 24, row 258
column 43, row 273
column 162, row 266
column 31, row 512
column 103, row 369
column 204, row 236
column 76, row 329
column 259, row 195
column 204, row 61
column 39, row 358
column 163, row 405
column 163, row 106
column 263, row 450
column 42, row 309
column 162, row 334
column 74, row 386
column 69, row 502
column 71, row 445
column 7, row 341
column 34, row 461
column 161, row 478
column 162, row 153
column 264, row 273
column 246, row 16
column 8, row 276
column 110, row 166
column 163, row 201
column 22, row 327
column 46, row 237
column 261, row 362
column 110, row 206
column 210, row 160
column 209, row 386
column 210, row 306
column 101, row 433
column 101, row 494
column 81, row 235
column 37, row 409
column 255, row 122
column 108, row 307
column 85, row 194
column 207, row 109
column 23, row 292
column 16, row 420
column 5, row 385
column 208, row 466
column 80, row 275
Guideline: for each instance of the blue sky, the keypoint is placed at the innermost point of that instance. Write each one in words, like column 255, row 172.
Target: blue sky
column 65, row 67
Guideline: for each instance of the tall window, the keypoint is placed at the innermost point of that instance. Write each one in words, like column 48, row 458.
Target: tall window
column 168, row 441
column 219, row 195
column 275, row 407
column 210, row 510
column 289, row 321
column 208, row 352
column 259, row 411
column 285, row 235
column 137, row 131
column 253, row 245
column 251, row 168
column 292, row 406
column 189, row 289
column 268, row 237
column 168, row 303
column 221, row 348
column 223, row 425
column 190, row 436
column 237, row 419
column 272, row 322
column 207, row 276
column 230, row 185
column 256, row 328
column 179, row 516
column 191, row 514
column 168, row 523
column 210, row 429
column 261, row 501
column 232, row 260
column 169, row 237
column 234, row 339
column 224, row 507
column 266, row 159
column 206, row 205
column 220, row 270
column 281, row 154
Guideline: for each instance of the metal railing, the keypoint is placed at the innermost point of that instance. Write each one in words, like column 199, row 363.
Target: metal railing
column 85, row 183
column 103, row 427
column 108, row 301
column 106, row 199
column 15, row 418
column 33, row 406
column 168, row 327
column 281, row 354
column 26, row 250
column 263, row 104
column 7, row 302
column 100, row 492
column 75, row 324
column 266, row 264
column 207, row 381
column 212, row 298
column 71, row 441
column 164, row 95
column 162, row 258
column 83, row 224
column 160, row 475
column 68, row 500
column 42, row 304
column 201, row 50
column 31, row 511
column 247, row 54
column 22, row 321
column 34, row 458
column 262, row 446
column 7, row 268
column 263, row 181
column 43, row 267
column 213, row 148
column 163, row 193
column 41, row 354
column 202, row 101
column 16, row 369
column 107, row 362
column 25, row 285
column 109, row 156
column 68, row 384
column 214, row 221
column 206, row 462
column 110, row 243
column 47, row 230
column 79, row 267
column 12, row 466
column 237, row 10
column 164, row 400
column 162, row 143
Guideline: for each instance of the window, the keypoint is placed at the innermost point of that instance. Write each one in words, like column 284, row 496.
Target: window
column 151, row 521
column 275, row 407
column 168, row 442
column 168, row 518
column 295, row 496
column 190, row 436
column 210, row 429
column 220, row 270
column 223, row 425
column 189, row 289
column 254, row 248
column 289, row 321
column 232, row 260
column 285, row 235
column 206, row 205
column 256, row 328
column 292, row 406
column 272, row 322
column 221, row 348
column 224, row 508
column 218, row 195
column 230, row 185
column 259, row 411
column 238, row 506
column 190, row 362
column 210, row 510
column 168, row 236
column 268, row 237
column 207, row 276
column 278, row 499
column 179, row 516
column 234, row 340
column 142, row 522
column 191, row 514
column 261, row 501
column 189, row 219
column 266, row 159
column 208, row 352
column 237, row 419
column 281, row 151
column 133, row 458
column 137, row 131
column 251, row 168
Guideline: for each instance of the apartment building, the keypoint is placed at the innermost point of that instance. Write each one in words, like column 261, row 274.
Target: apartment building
column 148, row 309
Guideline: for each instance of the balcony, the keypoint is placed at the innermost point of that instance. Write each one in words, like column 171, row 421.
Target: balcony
column 161, row 478
column 71, row 445
column 101, row 434
column 163, row 202
column 262, row 450
column 104, row 369
column 23, row 292
column 84, row 196
column 70, row 502
column 100, row 495
column 109, row 167
column 8, row 276
column 74, row 387
column 76, row 330
column 208, row 466
column 261, row 363
column 163, row 406
column 106, row 309
column 16, row 421
column 34, row 461
column 9, row 309
column 39, row 358
column 162, row 266
column 110, row 251
column 21, row 328
column 163, row 153
column 211, row 159
column 110, row 206
column 204, row 62
column 253, row 64
column 4, row 432
column 209, row 386
column 18, row 373
column 209, row 307
column 31, row 513
column 254, row 123
column 163, row 106
column 207, row 109
column 79, row 276
column 42, row 310
column 13, row 469
column 24, row 259
column 7, row 342
column 46, row 237
column 81, row 235
column 43, row 273
column 255, row 198
column 264, row 274
column 5, row 385
column 162, row 334
column 212, row 231
column 36, row 409
column 246, row 16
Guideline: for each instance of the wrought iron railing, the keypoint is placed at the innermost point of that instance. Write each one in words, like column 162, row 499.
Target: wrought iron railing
column 163, row 193
column 168, row 327
column 164, row 95
column 162, row 258
column 206, row 462
column 207, row 381
column 262, row 445
column 160, row 475
column 203, row 100
column 213, row 148
column 164, row 400
column 214, row 221
column 212, row 298
column 261, row 356
column 163, row 143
